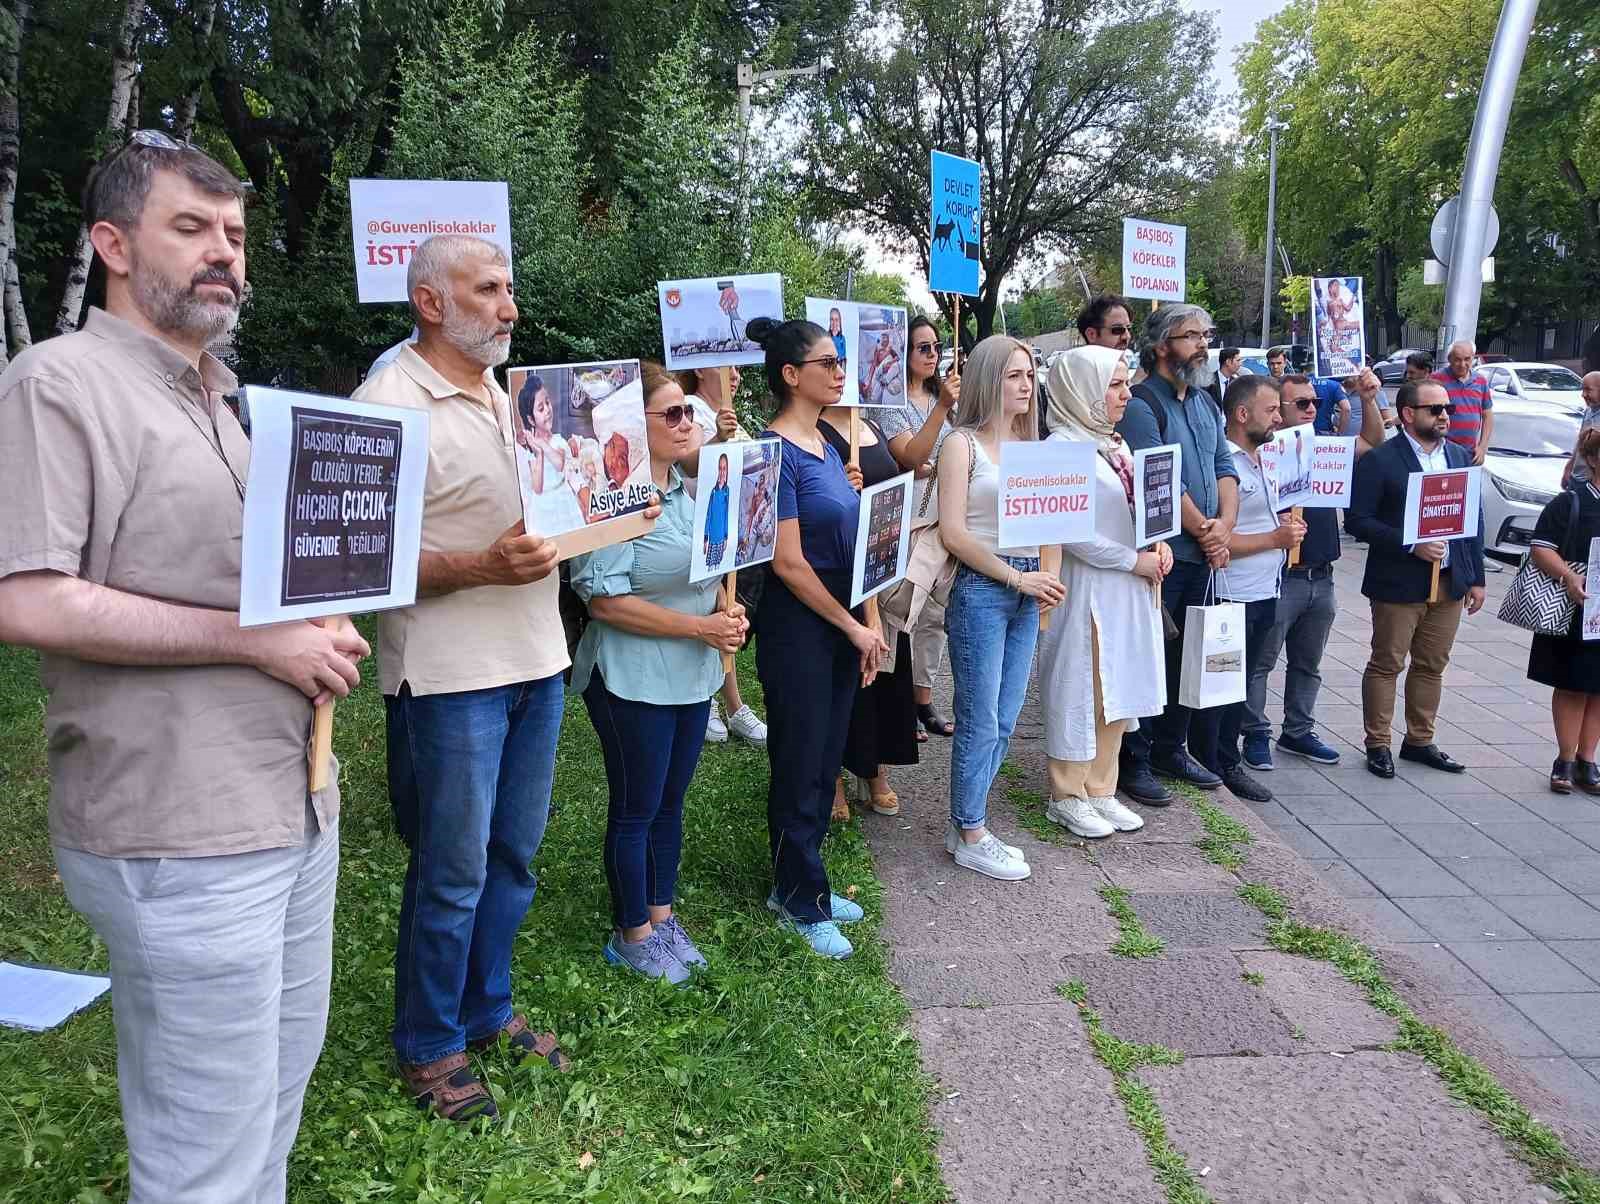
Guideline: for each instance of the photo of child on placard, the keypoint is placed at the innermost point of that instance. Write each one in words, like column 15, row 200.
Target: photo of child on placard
column 580, row 444
column 758, row 502
column 1339, row 324
column 715, row 530
column 735, row 508
column 840, row 320
column 703, row 322
column 881, row 375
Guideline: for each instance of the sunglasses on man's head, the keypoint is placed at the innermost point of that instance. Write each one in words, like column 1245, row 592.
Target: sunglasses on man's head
column 672, row 415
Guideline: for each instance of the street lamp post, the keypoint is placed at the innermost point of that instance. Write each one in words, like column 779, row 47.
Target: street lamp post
column 1274, row 126
column 747, row 78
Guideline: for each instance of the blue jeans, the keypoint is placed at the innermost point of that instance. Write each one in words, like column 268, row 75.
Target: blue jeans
column 650, row 753
column 1305, row 617
column 469, row 780
column 992, row 632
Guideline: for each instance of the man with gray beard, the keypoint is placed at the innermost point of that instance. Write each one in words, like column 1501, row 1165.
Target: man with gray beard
column 181, row 815
column 1171, row 406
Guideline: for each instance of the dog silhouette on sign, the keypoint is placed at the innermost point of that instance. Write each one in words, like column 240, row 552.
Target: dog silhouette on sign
column 943, row 230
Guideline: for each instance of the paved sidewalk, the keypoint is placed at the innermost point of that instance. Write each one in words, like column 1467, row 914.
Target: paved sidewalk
column 1488, row 879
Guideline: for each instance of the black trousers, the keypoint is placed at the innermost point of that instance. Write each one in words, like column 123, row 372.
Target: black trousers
column 1163, row 736
column 809, row 674
column 1224, row 755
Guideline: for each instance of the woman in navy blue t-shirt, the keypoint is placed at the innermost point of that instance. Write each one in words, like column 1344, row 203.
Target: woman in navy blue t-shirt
column 811, row 651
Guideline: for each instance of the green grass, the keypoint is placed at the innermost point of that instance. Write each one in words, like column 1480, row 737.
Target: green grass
column 1225, row 838
column 777, row 1076
column 1030, row 805
column 1135, row 941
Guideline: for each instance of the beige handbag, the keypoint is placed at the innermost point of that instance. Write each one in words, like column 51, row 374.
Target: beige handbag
column 930, row 571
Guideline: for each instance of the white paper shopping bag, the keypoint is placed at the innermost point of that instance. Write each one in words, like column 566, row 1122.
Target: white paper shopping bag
column 1213, row 656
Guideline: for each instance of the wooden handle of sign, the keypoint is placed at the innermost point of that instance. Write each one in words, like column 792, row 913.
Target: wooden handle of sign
column 956, row 363
column 1294, row 552
column 1433, row 590
column 855, row 438
column 727, row 388
column 725, row 601
column 321, row 746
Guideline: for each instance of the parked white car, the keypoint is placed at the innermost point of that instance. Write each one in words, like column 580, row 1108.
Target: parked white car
column 1533, row 441
column 1534, row 382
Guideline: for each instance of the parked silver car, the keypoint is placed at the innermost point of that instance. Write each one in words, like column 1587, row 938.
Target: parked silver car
column 1533, row 441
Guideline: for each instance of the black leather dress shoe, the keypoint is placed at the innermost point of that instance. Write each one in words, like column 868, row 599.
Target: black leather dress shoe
column 1142, row 786
column 1431, row 755
column 1380, row 762
column 1246, row 787
column 1185, row 768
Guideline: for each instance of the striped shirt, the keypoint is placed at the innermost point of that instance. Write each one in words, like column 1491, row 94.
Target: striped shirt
column 1471, row 398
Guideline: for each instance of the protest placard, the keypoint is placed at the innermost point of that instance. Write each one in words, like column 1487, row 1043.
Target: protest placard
column 870, row 340
column 1157, row 488
column 390, row 219
column 1046, row 492
column 703, row 321
column 735, row 507
column 1153, row 259
column 1307, row 469
column 1338, row 325
column 582, row 459
column 333, row 506
column 1441, row 506
column 955, row 224
column 1591, row 586
column 883, row 538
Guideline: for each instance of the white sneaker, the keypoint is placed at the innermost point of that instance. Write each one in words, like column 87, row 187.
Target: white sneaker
column 952, row 837
column 745, row 724
column 1077, row 816
column 716, row 730
column 989, row 857
column 1119, row 817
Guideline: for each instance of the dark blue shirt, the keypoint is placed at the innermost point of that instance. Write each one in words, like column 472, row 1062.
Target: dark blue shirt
column 815, row 490
column 1196, row 425
column 1329, row 394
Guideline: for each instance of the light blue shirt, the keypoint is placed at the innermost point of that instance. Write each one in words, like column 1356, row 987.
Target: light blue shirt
column 663, row 670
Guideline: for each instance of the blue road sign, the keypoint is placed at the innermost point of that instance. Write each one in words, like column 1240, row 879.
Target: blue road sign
column 956, row 226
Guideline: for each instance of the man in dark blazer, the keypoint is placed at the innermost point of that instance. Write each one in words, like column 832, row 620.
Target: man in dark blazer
column 1399, row 577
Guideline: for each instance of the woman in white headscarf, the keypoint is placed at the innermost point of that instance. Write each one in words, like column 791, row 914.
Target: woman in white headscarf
column 1101, row 661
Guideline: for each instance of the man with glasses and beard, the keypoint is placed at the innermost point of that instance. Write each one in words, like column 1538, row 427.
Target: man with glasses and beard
column 181, row 813
column 1399, row 576
column 1172, row 406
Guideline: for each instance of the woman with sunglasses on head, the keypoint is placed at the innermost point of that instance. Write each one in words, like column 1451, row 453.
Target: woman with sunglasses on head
column 915, row 432
column 993, row 613
column 812, row 651
column 883, row 724
column 647, row 666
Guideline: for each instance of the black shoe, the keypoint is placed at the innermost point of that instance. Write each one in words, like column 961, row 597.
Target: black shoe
column 1185, row 768
column 1380, row 762
column 1246, row 787
column 1561, row 777
column 1142, row 786
column 1430, row 755
column 933, row 721
column 1586, row 776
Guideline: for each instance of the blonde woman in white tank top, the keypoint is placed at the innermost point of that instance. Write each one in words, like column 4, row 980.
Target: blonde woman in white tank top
column 993, row 614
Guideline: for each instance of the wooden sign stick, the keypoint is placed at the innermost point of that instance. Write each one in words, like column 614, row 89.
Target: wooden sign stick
column 725, row 602
column 727, row 388
column 1294, row 552
column 1433, row 590
column 321, row 750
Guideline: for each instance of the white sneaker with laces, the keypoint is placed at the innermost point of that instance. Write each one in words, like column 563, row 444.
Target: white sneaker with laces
column 1078, row 816
column 745, row 724
column 1114, row 813
column 952, row 837
column 716, row 730
column 990, row 858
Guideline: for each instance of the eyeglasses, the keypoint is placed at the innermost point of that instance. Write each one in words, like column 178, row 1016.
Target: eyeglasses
column 672, row 415
column 830, row 363
column 1304, row 403
column 927, row 348
column 1118, row 330
column 1437, row 411
column 1205, row 336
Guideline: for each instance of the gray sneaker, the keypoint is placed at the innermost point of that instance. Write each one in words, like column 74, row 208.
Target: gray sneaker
column 651, row 957
column 678, row 941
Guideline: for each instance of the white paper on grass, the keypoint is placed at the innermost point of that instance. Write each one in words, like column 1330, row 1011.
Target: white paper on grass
column 1441, row 506
column 704, row 322
column 309, row 549
column 38, row 998
column 1157, row 493
column 748, row 534
column 390, row 219
column 1591, row 607
column 883, row 538
column 1047, row 492
column 1338, row 326
column 1309, row 470
column 874, row 338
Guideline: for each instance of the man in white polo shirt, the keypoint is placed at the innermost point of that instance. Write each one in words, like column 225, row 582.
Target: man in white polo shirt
column 1256, row 550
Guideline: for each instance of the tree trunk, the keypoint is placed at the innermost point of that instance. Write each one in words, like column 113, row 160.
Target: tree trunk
column 124, row 69
column 16, row 315
column 10, row 157
column 205, row 17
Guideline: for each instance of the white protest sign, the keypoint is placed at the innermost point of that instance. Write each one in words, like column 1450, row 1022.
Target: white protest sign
column 1152, row 259
column 1046, row 492
column 333, row 506
column 1308, row 469
column 1591, row 586
column 1339, row 325
column 703, row 322
column 1157, row 489
column 870, row 341
column 1441, row 506
column 735, row 507
column 390, row 219
column 883, row 538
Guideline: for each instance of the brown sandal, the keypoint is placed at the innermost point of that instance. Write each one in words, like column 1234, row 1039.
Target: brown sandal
column 449, row 1087
column 527, row 1044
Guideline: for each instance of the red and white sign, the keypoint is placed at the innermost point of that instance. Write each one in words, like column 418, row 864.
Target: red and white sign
column 1152, row 259
column 1309, row 470
column 1046, row 493
column 390, row 219
column 1441, row 506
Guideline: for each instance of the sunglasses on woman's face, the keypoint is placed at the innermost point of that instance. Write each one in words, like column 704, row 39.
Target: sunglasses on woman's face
column 927, row 348
column 672, row 415
column 830, row 363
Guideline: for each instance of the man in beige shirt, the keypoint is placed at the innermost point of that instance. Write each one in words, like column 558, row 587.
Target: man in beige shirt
column 183, row 825
column 472, row 681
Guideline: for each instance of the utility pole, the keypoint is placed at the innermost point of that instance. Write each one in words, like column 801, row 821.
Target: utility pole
column 747, row 77
column 1463, row 289
column 1274, row 127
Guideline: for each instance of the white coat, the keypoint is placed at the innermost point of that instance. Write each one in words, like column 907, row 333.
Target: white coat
column 1101, row 586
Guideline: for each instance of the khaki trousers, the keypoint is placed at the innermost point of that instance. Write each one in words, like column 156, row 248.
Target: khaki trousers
column 1424, row 632
column 927, row 645
column 1096, row 778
